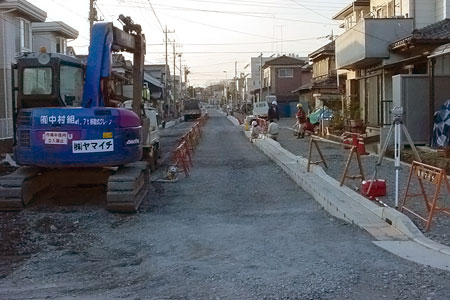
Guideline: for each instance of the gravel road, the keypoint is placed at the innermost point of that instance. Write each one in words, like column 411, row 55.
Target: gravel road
column 237, row 228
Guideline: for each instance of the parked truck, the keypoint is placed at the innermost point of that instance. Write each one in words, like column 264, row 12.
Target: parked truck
column 191, row 109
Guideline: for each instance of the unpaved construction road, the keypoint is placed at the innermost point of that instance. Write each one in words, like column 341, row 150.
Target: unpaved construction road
column 237, row 228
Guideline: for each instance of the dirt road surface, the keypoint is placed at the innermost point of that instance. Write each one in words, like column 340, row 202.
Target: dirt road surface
column 237, row 228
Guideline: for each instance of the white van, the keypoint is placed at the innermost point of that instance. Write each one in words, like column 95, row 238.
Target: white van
column 260, row 109
column 151, row 135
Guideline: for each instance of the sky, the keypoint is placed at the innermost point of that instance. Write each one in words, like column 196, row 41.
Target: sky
column 212, row 36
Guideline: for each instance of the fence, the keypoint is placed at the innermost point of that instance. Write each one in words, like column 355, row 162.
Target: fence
column 182, row 156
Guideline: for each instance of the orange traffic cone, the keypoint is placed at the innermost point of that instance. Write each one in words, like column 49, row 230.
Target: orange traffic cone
column 360, row 147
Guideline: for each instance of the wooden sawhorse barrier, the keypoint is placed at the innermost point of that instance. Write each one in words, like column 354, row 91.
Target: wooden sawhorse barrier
column 353, row 150
column 436, row 177
column 322, row 159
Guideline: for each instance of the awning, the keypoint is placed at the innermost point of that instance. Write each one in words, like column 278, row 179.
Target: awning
column 152, row 80
column 441, row 50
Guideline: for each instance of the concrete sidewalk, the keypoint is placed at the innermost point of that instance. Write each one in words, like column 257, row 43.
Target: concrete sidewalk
column 392, row 230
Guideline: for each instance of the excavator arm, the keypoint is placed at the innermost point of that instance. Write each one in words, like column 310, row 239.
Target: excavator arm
column 105, row 40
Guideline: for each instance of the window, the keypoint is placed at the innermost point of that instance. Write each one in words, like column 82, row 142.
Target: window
column 71, row 85
column 61, row 45
column 37, row 81
column 285, row 73
column 23, row 35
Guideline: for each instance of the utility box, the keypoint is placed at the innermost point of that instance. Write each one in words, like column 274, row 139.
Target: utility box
column 412, row 93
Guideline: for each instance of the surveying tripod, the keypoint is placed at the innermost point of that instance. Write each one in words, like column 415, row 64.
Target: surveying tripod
column 397, row 127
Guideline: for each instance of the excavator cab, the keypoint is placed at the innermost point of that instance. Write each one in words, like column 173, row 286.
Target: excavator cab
column 48, row 80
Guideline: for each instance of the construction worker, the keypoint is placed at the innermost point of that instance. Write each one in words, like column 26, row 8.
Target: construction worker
column 301, row 120
column 308, row 127
column 273, row 113
column 272, row 130
column 254, row 131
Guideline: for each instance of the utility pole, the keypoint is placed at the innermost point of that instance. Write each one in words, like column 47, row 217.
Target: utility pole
column 186, row 72
column 92, row 16
column 260, row 77
column 236, row 85
column 166, row 92
column 181, row 85
column 174, row 72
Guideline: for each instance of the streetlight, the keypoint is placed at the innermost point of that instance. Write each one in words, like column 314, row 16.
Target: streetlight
column 261, row 75
column 225, row 87
column 181, row 98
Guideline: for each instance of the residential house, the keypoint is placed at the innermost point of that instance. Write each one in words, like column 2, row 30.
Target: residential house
column 282, row 75
column 254, row 81
column 52, row 36
column 384, row 41
column 16, row 17
column 161, row 90
column 411, row 85
column 323, row 88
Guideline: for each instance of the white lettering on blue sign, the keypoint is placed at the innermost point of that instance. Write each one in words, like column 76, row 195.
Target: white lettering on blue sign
column 72, row 120
column 92, row 146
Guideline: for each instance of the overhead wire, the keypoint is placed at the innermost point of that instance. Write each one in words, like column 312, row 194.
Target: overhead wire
column 262, row 15
column 156, row 16
column 249, row 43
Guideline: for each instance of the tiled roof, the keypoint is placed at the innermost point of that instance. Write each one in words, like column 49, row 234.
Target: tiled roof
column 284, row 61
column 327, row 83
column 439, row 30
column 327, row 49
column 436, row 32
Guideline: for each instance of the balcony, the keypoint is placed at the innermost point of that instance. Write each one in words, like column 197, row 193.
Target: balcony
column 368, row 41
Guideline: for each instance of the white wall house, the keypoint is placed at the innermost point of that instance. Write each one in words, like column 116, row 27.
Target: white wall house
column 53, row 36
column 370, row 50
column 16, row 17
column 254, row 80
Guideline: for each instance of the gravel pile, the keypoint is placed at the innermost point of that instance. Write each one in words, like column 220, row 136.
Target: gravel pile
column 336, row 157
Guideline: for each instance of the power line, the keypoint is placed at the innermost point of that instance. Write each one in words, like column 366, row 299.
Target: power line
column 229, row 52
column 244, row 14
column 249, row 43
column 261, row 4
column 253, row 14
column 305, row 7
column 156, row 16
column 222, row 28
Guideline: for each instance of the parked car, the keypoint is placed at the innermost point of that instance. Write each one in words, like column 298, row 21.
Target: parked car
column 260, row 109
column 245, row 108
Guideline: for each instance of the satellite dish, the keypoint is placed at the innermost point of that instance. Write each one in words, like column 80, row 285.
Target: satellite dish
column 43, row 58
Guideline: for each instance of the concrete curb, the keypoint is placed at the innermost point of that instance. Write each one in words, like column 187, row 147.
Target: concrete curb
column 386, row 224
column 172, row 123
column 233, row 120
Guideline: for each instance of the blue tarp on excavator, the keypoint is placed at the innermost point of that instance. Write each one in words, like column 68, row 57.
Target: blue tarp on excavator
column 98, row 64
column 441, row 128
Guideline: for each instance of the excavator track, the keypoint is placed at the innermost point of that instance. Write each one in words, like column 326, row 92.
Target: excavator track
column 125, row 188
column 18, row 189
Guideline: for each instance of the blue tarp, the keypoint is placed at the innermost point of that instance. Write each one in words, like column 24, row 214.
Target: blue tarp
column 322, row 113
column 441, row 128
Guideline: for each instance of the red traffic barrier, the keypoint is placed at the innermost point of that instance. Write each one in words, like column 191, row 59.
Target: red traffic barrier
column 378, row 188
